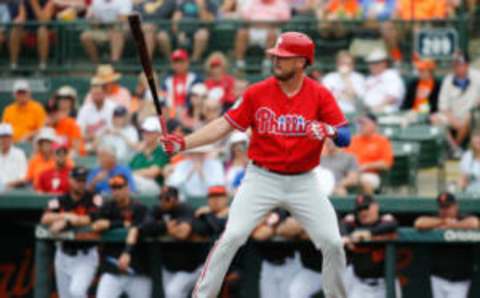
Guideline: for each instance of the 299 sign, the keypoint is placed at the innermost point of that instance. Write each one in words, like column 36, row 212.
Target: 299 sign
column 436, row 43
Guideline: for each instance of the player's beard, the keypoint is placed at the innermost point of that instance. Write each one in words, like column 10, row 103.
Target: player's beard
column 286, row 76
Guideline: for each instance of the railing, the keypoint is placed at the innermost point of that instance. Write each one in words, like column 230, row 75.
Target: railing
column 404, row 236
column 67, row 53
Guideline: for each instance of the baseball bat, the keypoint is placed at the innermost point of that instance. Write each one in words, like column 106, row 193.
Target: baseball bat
column 137, row 32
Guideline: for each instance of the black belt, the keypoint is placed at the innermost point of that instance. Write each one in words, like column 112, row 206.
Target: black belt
column 71, row 251
column 278, row 172
column 372, row 282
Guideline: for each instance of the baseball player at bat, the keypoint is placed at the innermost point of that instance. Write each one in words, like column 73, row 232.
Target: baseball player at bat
column 75, row 262
column 290, row 116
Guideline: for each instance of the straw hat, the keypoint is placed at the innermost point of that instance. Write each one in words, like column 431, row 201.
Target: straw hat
column 105, row 74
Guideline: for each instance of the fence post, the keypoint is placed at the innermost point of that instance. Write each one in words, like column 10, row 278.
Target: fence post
column 43, row 253
column 390, row 268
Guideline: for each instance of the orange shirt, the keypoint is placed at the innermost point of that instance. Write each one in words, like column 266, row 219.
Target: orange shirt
column 37, row 164
column 25, row 119
column 68, row 128
column 368, row 149
column 422, row 9
column 424, row 89
column 350, row 8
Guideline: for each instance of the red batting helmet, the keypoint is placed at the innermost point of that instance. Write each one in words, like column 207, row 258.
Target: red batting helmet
column 294, row 44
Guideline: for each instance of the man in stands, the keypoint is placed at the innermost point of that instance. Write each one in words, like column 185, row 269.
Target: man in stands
column 112, row 13
column 25, row 114
column 12, row 159
column 373, row 151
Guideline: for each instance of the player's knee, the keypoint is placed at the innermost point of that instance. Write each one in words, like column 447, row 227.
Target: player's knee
column 333, row 246
column 78, row 291
column 172, row 290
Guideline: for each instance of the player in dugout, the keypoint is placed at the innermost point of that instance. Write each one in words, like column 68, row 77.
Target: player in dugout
column 125, row 269
column 75, row 262
column 452, row 265
column 368, row 260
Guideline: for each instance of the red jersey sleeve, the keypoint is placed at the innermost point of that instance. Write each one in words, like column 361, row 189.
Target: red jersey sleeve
column 240, row 116
column 329, row 111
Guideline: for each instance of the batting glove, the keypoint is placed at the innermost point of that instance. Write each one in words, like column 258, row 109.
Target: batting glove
column 320, row 131
column 172, row 143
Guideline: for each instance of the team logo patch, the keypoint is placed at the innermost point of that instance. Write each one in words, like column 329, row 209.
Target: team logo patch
column 287, row 125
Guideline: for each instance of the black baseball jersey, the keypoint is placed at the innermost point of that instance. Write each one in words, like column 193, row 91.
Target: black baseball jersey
column 311, row 257
column 209, row 225
column 176, row 255
column 135, row 214
column 368, row 259
column 88, row 204
column 453, row 262
column 276, row 252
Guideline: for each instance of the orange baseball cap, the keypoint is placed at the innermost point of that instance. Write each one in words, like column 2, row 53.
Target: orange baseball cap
column 426, row 64
column 218, row 190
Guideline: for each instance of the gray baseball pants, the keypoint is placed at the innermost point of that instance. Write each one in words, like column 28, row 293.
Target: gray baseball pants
column 260, row 192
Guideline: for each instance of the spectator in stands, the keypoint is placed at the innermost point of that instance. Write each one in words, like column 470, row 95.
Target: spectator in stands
column 236, row 160
column 193, row 116
column 450, row 275
column 70, row 10
column 153, row 11
column 373, row 151
column 12, row 159
column 459, row 94
column 66, row 129
column 66, row 97
column 194, row 35
column 229, row 9
column 343, row 166
column 303, row 8
column 107, row 77
column 95, row 116
column 108, row 168
column 346, row 85
column 44, row 158
column 212, row 109
column 219, row 83
column 256, row 33
column 121, row 134
column 142, row 102
column 384, row 86
column 4, row 19
column 469, row 180
column 28, row 11
column 180, row 266
column 368, row 260
column 54, row 180
column 422, row 92
column 25, row 114
column 334, row 10
column 113, row 14
column 193, row 175
column 179, row 82
column 279, row 264
column 125, row 269
column 149, row 162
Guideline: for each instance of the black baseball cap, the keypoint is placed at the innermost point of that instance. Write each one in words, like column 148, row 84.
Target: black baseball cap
column 169, row 192
column 79, row 173
column 363, row 201
column 120, row 111
column 446, row 199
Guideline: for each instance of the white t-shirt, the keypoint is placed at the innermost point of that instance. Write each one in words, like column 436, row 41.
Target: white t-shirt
column 380, row 87
column 195, row 185
column 124, row 152
column 108, row 11
column 92, row 119
column 13, row 165
column 337, row 84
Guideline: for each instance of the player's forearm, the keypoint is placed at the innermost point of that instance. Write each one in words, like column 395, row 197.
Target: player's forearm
column 208, row 134
column 426, row 223
column 50, row 217
column 467, row 223
column 132, row 236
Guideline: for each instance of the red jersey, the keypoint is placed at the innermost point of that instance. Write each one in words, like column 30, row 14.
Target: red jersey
column 278, row 123
column 54, row 181
column 225, row 86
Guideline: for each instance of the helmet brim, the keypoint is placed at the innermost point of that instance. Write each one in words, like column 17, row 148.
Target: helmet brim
column 281, row 53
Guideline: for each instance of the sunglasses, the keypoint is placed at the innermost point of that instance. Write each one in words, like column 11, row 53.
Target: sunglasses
column 117, row 186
